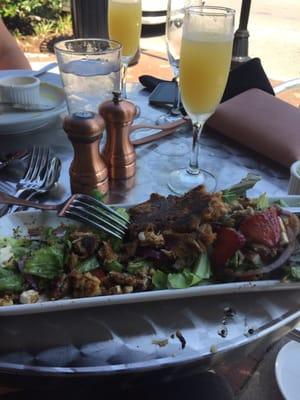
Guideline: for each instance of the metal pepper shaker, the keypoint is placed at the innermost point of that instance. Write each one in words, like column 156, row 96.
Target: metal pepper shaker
column 87, row 170
column 118, row 153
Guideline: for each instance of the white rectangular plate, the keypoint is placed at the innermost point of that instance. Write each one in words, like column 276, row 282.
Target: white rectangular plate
column 24, row 220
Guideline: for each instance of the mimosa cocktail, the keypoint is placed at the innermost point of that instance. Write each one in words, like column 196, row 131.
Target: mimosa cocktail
column 124, row 25
column 205, row 58
column 204, row 66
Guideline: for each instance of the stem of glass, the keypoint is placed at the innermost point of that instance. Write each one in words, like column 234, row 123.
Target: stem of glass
column 123, row 80
column 193, row 167
column 176, row 106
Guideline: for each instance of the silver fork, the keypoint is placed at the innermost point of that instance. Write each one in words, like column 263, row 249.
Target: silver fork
column 33, row 178
column 82, row 208
column 48, row 177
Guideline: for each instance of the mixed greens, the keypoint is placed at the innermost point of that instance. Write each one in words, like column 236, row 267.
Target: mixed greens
column 72, row 261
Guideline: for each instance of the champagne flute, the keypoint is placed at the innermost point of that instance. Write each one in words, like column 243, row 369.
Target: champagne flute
column 205, row 57
column 173, row 35
column 124, row 26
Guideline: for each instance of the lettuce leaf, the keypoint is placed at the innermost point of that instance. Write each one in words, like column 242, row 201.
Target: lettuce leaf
column 292, row 268
column 183, row 280
column 295, row 273
column 160, row 279
column 186, row 278
column 236, row 191
column 10, row 281
column 262, row 202
column 46, row 262
column 202, row 267
column 136, row 265
column 113, row 265
column 19, row 247
column 280, row 203
column 116, row 243
column 123, row 212
column 88, row 265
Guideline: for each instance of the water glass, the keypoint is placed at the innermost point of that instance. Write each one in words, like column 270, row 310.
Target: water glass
column 90, row 70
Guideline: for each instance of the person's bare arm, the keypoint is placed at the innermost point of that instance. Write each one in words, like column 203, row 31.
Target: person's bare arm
column 11, row 56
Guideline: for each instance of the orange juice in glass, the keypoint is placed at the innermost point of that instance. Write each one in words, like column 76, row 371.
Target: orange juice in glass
column 124, row 26
column 204, row 66
column 205, row 57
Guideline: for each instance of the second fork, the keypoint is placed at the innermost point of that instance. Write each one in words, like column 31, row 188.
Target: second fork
column 32, row 178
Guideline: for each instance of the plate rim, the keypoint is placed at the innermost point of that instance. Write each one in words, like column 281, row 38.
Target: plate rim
column 42, row 115
column 145, row 366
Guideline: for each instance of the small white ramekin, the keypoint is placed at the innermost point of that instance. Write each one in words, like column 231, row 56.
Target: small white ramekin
column 20, row 90
column 294, row 182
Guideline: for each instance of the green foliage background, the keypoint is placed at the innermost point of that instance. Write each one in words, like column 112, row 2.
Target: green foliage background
column 23, row 16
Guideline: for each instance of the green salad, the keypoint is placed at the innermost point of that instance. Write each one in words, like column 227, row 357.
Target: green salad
column 172, row 243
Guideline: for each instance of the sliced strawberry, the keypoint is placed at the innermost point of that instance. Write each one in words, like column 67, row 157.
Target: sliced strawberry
column 262, row 228
column 228, row 242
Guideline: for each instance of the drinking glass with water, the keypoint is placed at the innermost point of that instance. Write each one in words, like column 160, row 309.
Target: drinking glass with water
column 90, row 71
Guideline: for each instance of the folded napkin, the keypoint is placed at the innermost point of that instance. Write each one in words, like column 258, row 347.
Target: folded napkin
column 246, row 76
column 261, row 122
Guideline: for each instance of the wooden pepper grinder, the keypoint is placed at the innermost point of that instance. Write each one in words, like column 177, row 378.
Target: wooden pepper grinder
column 87, row 170
column 118, row 153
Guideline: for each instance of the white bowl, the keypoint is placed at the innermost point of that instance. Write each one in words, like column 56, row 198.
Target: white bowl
column 20, row 90
column 294, row 182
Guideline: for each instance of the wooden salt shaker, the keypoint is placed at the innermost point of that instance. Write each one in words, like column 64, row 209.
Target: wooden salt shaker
column 119, row 153
column 87, row 170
